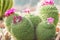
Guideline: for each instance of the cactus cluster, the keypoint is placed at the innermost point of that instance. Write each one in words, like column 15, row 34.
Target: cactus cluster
column 23, row 30
column 34, row 27
column 5, row 5
column 48, row 12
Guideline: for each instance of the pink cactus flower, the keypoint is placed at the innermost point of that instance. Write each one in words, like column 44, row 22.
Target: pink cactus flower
column 48, row 2
column 9, row 12
column 50, row 20
column 17, row 19
column 27, row 10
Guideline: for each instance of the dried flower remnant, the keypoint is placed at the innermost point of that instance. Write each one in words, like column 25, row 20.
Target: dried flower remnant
column 17, row 19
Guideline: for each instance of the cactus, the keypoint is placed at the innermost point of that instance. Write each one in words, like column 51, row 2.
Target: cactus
column 49, row 14
column 49, row 11
column 5, row 5
column 23, row 30
column 8, row 21
column 45, row 31
column 35, row 21
column 33, row 27
column 9, row 14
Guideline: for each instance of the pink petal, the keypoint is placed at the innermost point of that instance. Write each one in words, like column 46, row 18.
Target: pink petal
column 50, row 20
column 48, row 2
column 9, row 12
column 27, row 10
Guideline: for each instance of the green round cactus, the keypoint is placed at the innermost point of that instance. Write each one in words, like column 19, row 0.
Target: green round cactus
column 45, row 31
column 5, row 5
column 34, row 19
column 23, row 30
column 49, row 11
column 8, row 21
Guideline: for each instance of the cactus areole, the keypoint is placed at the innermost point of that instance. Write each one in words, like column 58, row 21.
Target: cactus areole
column 4, row 5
